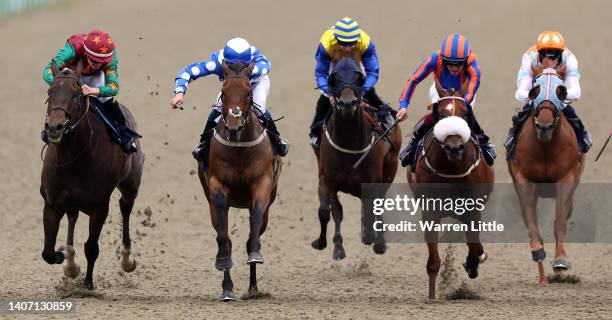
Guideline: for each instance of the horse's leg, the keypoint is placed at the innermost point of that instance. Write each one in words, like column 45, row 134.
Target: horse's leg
column 51, row 221
column 528, row 199
column 96, row 222
column 433, row 262
column 324, row 215
column 379, row 246
column 219, row 208
column 564, row 204
column 476, row 254
column 129, row 191
column 260, row 193
column 337, row 213
column 71, row 268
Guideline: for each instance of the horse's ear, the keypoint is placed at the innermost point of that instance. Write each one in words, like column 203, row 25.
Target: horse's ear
column 441, row 91
column 536, row 70
column 464, row 89
column 54, row 68
column 534, row 92
column 331, row 80
column 248, row 70
column 224, row 68
column 561, row 92
column 79, row 70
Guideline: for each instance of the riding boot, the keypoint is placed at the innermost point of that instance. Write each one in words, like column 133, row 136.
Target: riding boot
column 323, row 109
column 584, row 137
column 280, row 145
column 200, row 152
column 517, row 123
column 373, row 99
column 126, row 139
column 407, row 154
column 488, row 149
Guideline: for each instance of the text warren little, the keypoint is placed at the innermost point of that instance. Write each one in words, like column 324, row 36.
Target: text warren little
column 441, row 227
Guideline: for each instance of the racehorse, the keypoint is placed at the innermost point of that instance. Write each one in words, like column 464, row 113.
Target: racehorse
column 546, row 152
column 81, row 168
column 450, row 155
column 242, row 173
column 348, row 134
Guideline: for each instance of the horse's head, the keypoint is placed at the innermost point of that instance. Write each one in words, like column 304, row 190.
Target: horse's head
column 451, row 115
column 547, row 98
column 346, row 83
column 236, row 97
column 66, row 102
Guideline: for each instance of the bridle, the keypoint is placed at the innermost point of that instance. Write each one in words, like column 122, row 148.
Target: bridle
column 68, row 124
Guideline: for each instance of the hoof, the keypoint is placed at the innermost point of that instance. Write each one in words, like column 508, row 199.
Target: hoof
column 72, row 271
column 255, row 257
column 560, row 265
column 472, row 272
column 227, row 296
column 88, row 284
column 339, row 253
column 483, row 257
column 128, row 263
column 379, row 248
column 319, row 244
column 223, row 264
column 538, row 255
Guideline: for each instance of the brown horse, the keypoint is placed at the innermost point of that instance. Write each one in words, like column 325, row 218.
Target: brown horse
column 243, row 173
column 81, row 169
column 546, row 152
column 450, row 155
column 347, row 135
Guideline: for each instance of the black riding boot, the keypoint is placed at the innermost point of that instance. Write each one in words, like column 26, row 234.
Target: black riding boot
column 323, row 108
column 517, row 123
column 200, row 152
column 126, row 136
column 584, row 137
column 407, row 154
column 373, row 99
column 280, row 145
column 488, row 149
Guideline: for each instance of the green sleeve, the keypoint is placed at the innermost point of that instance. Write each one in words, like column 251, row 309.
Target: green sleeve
column 63, row 58
column 111, row 76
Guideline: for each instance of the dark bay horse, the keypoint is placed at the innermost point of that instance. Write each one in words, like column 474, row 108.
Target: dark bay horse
column 243, row 173
column 346, row 136
column 81, row 168
column 451, row 156
column 546, row 152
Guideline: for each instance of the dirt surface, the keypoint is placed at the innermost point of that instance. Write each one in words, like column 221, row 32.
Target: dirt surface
column 175, row 244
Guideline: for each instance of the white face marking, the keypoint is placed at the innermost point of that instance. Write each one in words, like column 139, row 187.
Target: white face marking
column 449, row 107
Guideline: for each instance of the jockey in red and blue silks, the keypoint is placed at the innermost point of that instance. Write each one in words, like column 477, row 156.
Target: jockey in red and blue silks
column 452, row 65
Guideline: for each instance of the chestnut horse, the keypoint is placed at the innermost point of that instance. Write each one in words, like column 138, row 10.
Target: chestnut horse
column 347, row 135
column 81, row 169
column 243, row 173
column 546, row 152
column 450, row 155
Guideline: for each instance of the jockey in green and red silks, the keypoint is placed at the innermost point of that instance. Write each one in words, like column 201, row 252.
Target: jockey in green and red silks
column 453, row 65
column 97, row 53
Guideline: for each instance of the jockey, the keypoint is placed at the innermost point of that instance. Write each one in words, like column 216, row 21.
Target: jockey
column 344, row 39
column 549, row 52
column 99, row 78
column 452, row 65
column 236, row 50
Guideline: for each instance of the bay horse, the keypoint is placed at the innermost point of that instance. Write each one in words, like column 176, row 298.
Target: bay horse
column 451, row 156
column 81, row 168
column 546, row 153
column 346, row 136
column 243, row 173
